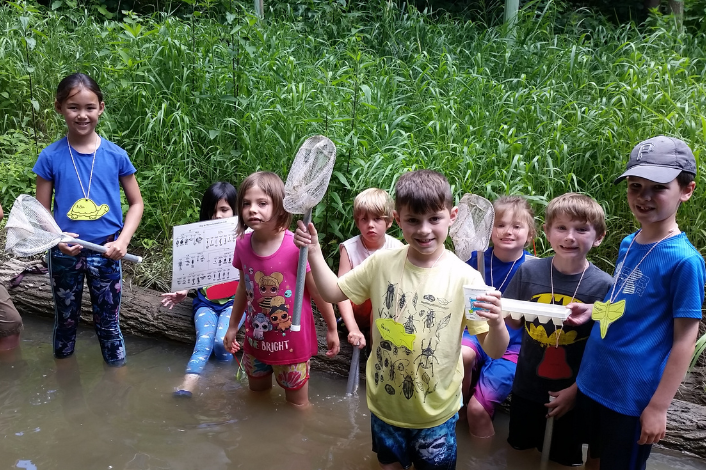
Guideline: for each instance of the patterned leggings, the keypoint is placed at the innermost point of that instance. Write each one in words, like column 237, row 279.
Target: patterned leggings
column 104, row 278
column 211, row 328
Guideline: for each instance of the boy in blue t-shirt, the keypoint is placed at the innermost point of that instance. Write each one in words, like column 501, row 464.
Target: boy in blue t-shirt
column 645, row 329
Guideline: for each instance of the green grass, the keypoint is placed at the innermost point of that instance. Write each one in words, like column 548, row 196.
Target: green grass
column 220, row 95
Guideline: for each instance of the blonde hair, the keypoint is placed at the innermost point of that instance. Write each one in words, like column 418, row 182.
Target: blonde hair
column 373, row 201
column 577, row 207
column 273, row 187
column 520, row 209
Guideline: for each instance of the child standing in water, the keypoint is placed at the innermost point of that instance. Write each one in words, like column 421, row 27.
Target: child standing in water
column 487, row 382
column 646, row 326
column 211, row 315
column 550, row 355
column 414, row 378
column 85, row 173
column 372, row 211
column 267, row 260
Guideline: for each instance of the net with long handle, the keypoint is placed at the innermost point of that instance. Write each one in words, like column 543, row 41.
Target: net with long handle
column 306, row 185
column 473, row 226
column 31, row 230
column 310, row 174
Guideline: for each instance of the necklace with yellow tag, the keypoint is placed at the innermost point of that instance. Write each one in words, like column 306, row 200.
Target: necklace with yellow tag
column 85, row 208
column 607, row 312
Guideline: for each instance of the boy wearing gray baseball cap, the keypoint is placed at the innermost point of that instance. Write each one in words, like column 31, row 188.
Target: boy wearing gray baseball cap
column 645, row 329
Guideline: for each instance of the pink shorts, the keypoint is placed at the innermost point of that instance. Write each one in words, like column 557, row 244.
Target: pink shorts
column 288, row 376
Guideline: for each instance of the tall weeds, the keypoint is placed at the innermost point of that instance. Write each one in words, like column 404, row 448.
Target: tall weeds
column 220, row 94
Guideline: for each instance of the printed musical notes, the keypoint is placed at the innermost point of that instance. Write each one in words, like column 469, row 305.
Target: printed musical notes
column 203, row 254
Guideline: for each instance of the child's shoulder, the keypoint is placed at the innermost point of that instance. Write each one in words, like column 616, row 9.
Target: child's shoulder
column 682, row 241
column 599, row 275
column 532, row 264
column 460, row 269
column 350, row 242
column 392, row 242
column 58, row 146
column 112, row 148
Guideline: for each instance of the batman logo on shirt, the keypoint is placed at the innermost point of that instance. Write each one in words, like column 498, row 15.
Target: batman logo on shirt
column 559, row 299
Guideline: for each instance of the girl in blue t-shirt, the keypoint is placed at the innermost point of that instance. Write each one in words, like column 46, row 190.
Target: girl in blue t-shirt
column 84, row 173
column 487, row 382
column 212, row 308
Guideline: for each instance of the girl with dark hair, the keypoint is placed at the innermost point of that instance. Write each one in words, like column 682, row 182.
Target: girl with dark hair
column 84, row 173
column 211, row 315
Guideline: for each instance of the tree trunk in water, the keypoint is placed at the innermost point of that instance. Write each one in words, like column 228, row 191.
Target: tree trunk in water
column 142, row 314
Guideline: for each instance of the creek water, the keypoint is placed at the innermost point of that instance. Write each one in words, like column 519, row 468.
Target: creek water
column 85, row 416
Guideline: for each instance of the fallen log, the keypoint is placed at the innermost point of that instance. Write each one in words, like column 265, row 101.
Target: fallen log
column 141, row 313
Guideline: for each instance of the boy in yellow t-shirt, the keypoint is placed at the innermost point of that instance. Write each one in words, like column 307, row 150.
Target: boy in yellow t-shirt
column 414, row 372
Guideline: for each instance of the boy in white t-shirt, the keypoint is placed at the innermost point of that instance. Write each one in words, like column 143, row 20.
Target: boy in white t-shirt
column 414, row 373
column 372, row 210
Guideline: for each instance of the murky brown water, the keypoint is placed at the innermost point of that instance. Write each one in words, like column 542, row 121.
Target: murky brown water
column 85, row 417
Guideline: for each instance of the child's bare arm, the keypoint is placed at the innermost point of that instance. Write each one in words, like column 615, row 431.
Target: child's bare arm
column 325, row 279
column 118, row 248
column 494, row 342
column 345, row 308
column 654, row 418
column 326, row 310
column 239, row 302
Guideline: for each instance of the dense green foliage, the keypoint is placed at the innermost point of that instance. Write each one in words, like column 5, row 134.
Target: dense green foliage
column 218, row 94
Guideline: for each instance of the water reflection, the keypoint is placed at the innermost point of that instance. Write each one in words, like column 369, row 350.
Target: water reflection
column 78, row 414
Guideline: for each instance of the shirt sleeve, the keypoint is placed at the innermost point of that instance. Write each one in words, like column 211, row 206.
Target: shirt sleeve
column 126, row 167
column 237, row 264
column 355, row 284
column 477, row 327
column 687, row 288
column 43, row 167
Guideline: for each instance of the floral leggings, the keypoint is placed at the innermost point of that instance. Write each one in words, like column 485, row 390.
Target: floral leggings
column 104, row 285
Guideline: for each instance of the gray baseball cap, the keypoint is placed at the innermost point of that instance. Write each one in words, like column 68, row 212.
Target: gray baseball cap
column 659, row 159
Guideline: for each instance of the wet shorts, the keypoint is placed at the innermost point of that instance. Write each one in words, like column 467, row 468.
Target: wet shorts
column 10, row 320
column 288, row 376
column 612, row 436
column 426, row 449
column 492, row 378
column 527, row 422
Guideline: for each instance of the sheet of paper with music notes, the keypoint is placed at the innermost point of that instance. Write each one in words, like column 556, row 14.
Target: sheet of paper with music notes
column 203, row 254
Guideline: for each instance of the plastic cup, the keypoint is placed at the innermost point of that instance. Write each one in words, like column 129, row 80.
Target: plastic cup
column 470, row 294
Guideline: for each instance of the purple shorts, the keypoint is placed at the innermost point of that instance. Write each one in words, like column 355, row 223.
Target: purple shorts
column 492, row 378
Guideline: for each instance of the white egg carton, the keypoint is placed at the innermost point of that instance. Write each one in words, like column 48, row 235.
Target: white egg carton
column 516, row 309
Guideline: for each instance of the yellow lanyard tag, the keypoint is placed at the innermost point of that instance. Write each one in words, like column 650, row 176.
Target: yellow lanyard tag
column 606, row 313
